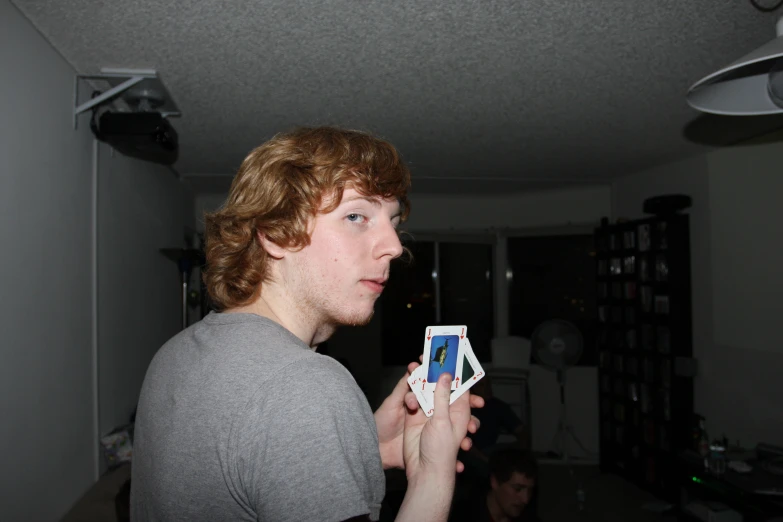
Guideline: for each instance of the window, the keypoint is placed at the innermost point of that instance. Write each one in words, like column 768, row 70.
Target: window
column 466, row 292
column 553, row 278
column 448, row 282
column 407, row 306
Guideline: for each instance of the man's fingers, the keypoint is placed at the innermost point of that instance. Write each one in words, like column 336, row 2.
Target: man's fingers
column 412, row 366
column 476, row 401
column 460, row 467
column 464, row 399
column 442, row 394
column 474, row 424
column 411, row 402
column 466, row 444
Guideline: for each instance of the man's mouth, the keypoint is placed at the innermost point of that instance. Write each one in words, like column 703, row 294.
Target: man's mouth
column 376, row 285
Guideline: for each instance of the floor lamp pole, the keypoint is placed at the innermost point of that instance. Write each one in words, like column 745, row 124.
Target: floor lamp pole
column 185, row 258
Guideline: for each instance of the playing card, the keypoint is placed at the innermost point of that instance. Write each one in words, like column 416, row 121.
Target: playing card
column 443, row 353
column 425, row 398
column 471, row 372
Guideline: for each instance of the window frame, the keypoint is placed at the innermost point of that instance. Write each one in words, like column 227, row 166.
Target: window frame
column 502, row 276
column 457, row 237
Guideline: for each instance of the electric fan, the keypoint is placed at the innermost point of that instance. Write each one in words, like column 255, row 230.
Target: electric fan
column 557, row 345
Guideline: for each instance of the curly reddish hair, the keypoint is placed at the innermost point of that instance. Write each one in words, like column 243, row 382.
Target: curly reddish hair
column 279, row 188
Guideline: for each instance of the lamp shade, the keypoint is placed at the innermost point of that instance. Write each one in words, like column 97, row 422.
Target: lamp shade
column 752, row 85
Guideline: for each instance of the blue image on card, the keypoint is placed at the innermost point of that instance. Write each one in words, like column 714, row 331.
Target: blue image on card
column 443, row 356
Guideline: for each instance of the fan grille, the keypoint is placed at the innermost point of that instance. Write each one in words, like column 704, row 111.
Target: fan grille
column 557, row 344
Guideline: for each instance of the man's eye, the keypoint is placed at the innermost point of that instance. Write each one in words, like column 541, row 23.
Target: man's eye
column 354, row 217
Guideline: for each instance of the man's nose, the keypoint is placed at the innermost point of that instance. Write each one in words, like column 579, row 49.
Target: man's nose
column 389, row 243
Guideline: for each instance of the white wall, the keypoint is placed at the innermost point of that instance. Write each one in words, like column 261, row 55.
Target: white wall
column 744, row 367
column 46, row 393
column 531, row 210
column 143, row 207
column 45, row 344
column 736, row 281
column 207, row 203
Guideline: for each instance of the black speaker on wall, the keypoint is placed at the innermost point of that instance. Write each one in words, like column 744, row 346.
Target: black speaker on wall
column 148, row 136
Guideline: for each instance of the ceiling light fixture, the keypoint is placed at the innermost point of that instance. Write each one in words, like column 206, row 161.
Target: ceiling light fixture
column 750, row 86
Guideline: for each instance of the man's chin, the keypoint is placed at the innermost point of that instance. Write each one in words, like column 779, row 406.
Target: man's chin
column 364, row 321
column 356, row 318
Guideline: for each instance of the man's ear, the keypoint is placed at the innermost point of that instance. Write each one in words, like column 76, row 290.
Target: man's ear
column 271, row 248
column 493, row 482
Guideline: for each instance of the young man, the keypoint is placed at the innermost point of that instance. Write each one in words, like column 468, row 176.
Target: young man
column 511, row 494
column 239, row 418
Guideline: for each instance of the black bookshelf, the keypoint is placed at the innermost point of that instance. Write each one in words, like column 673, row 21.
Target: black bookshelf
column 643, row 333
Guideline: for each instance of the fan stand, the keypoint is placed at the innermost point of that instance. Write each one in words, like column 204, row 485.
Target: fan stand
column 564, row 429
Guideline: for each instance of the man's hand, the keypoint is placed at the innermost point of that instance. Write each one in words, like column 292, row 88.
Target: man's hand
column 390, row 421
column 431, row 445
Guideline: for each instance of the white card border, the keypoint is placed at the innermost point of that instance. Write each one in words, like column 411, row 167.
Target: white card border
column 415, row 381
column 478, row 373
column 461, row 331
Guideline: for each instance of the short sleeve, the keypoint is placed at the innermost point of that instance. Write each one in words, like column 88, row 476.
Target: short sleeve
column 308, row 447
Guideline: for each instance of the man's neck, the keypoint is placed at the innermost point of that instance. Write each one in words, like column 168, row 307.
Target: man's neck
column 273, row 304
column 495, row 512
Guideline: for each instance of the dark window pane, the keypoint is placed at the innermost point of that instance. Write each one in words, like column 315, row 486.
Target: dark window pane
column 407, row 306
column 554, row 278
column 466, row 289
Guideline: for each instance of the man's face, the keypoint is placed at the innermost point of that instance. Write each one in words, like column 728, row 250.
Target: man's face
column 340, row 274
column 513, row 495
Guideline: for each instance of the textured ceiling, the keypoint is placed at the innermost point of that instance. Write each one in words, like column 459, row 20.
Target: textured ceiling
column 480, row 96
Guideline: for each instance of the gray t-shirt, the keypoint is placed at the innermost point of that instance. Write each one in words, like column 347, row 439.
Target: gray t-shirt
column 238, row 419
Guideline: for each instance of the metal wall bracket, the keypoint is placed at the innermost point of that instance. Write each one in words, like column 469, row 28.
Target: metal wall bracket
column 126, row 87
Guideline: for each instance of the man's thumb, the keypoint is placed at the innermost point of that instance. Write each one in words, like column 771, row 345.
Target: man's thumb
column 442, row 395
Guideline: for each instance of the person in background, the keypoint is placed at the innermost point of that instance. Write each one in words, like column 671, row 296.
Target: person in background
column 510, row 495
